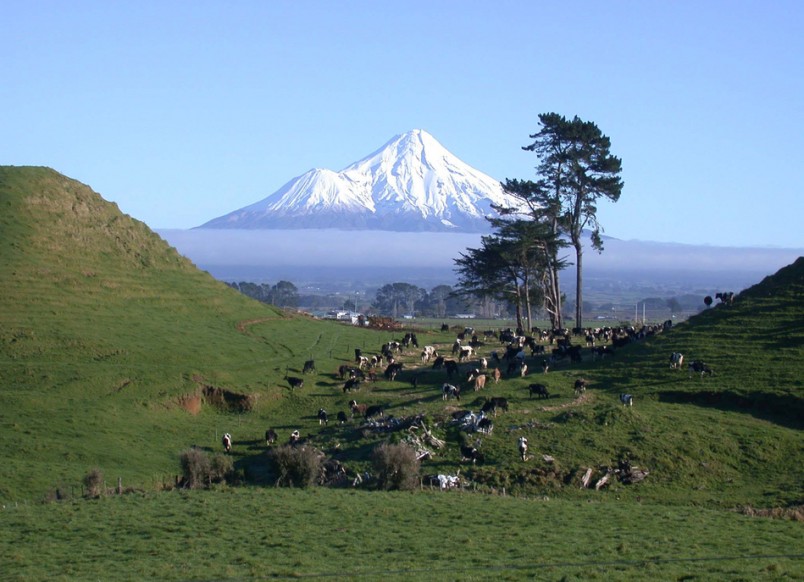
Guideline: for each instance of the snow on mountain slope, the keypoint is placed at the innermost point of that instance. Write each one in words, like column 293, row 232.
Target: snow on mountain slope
column 412, row 183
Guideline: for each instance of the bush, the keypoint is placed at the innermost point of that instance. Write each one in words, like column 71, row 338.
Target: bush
column 200, row 470
column 396, row 466
column 93, row 482
column 296, row 466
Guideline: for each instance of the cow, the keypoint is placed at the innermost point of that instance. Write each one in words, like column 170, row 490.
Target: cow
column 358, row 353
column 450, row 391
column 545, row 366
column 470, row 453
column 356, row 408
column 295, row 437
column 451, row 366
column 375, row 410
column 309, row 367
column 493, row 404
column 580, row 386
column 676, row 360
column 392, row 370
column 539, row 390
column 270, row 436
column 700, row 368
column 295, row 382
column 323, row 417
column 351, row 384
column 480, row 382
column 227, row 442
column 523, row 369
column 496, row 374
column 438, row 363
column 627, row 399
column 465, row 353
column 342, row 417
column 485, row 425
column 363, row 362
column 523, row 448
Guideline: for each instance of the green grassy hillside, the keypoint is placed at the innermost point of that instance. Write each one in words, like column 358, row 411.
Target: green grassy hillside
column 114, row 351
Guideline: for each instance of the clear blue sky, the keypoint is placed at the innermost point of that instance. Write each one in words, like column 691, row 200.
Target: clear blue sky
column 182, row 111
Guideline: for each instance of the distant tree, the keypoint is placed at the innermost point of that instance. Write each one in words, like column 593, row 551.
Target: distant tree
column 395, row 299
column 439, row 296
column 284, row 294
column 673, row 305
column 349, row 305
column 576, row 169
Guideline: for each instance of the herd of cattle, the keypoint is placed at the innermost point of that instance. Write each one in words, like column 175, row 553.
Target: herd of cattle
column 473, row 362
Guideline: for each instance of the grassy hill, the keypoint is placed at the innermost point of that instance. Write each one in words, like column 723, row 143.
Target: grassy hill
column 117, row 353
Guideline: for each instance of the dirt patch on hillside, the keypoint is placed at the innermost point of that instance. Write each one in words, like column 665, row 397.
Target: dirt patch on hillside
column 191, row 403
column 794, row 513
column 584, row 398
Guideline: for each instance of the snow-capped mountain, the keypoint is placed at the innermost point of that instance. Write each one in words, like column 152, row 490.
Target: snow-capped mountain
column 412, row 183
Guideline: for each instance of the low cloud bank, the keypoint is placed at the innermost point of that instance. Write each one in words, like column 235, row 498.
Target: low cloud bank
column 354, row 249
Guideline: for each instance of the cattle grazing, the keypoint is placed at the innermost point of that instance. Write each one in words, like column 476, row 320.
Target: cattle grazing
column 438, row 363
column 270, row 436
column 295, row 437
column 496, row 374
column 227, row 442
column 309, row 367
column 627, row 399
column 444, row 327
column 375, row 410
column 580, row 386
column 523, row 369
column 449, row 391
column 545, row 366
column 363, row 362
column 539, row 390
column 470, row 453
column 523, row 448
column 342, row 417
column 359, row 409
column 465, row 353
column 512, row 368
column 676, row 360
column 484, row 364
column 493, row 404
column 480, row 382
column 485, row 425
column 323, row 417
column 351, row 384
column 451, row 366
column 295, row 382
column 700, row 368
column 726, row 298
column 392, row 370
column 358, row 353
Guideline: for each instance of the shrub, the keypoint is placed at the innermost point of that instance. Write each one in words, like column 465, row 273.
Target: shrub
column 93, row 482
column 201, row 470
column 296, row 466
column 396, row 466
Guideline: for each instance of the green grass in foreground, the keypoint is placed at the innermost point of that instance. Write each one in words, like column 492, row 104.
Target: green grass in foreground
column 265, row 533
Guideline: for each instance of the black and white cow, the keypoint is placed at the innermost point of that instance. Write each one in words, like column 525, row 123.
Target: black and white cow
column 470, row 453
column 295, row 382
column 227, row 442
column 523, row 448
column 700, row 368
column 351, row 384
column 676, row 360
column 295, row 437
column 450, row 391
column 375, row 410
column 539, row 390
column 580, row 386
column 323, row 417
column 627, row 399
column 309, row 367
column 270, row 436
column 342, row 417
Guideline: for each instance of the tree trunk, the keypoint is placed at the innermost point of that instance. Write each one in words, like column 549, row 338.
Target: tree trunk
column 579, row 285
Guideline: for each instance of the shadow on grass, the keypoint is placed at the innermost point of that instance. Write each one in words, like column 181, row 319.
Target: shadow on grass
column 784, row 410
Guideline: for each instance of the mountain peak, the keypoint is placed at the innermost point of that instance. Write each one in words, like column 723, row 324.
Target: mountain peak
column 412, row 183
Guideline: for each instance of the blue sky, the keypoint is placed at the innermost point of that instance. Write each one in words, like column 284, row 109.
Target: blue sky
column 183, row 111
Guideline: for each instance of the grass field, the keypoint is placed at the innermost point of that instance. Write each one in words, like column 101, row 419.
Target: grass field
column 117, row 354
column 246, row 533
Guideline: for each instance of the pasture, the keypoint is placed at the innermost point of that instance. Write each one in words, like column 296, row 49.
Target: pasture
column 116, row 355
column 259, row 533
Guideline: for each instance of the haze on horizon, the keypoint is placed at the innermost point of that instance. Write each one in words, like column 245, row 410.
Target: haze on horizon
column 180, row 113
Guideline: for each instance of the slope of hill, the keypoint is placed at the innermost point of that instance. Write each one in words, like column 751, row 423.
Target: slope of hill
column 412, row 183
column 102, row 327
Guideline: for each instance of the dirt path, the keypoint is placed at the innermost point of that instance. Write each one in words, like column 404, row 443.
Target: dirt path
column 582, row 399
